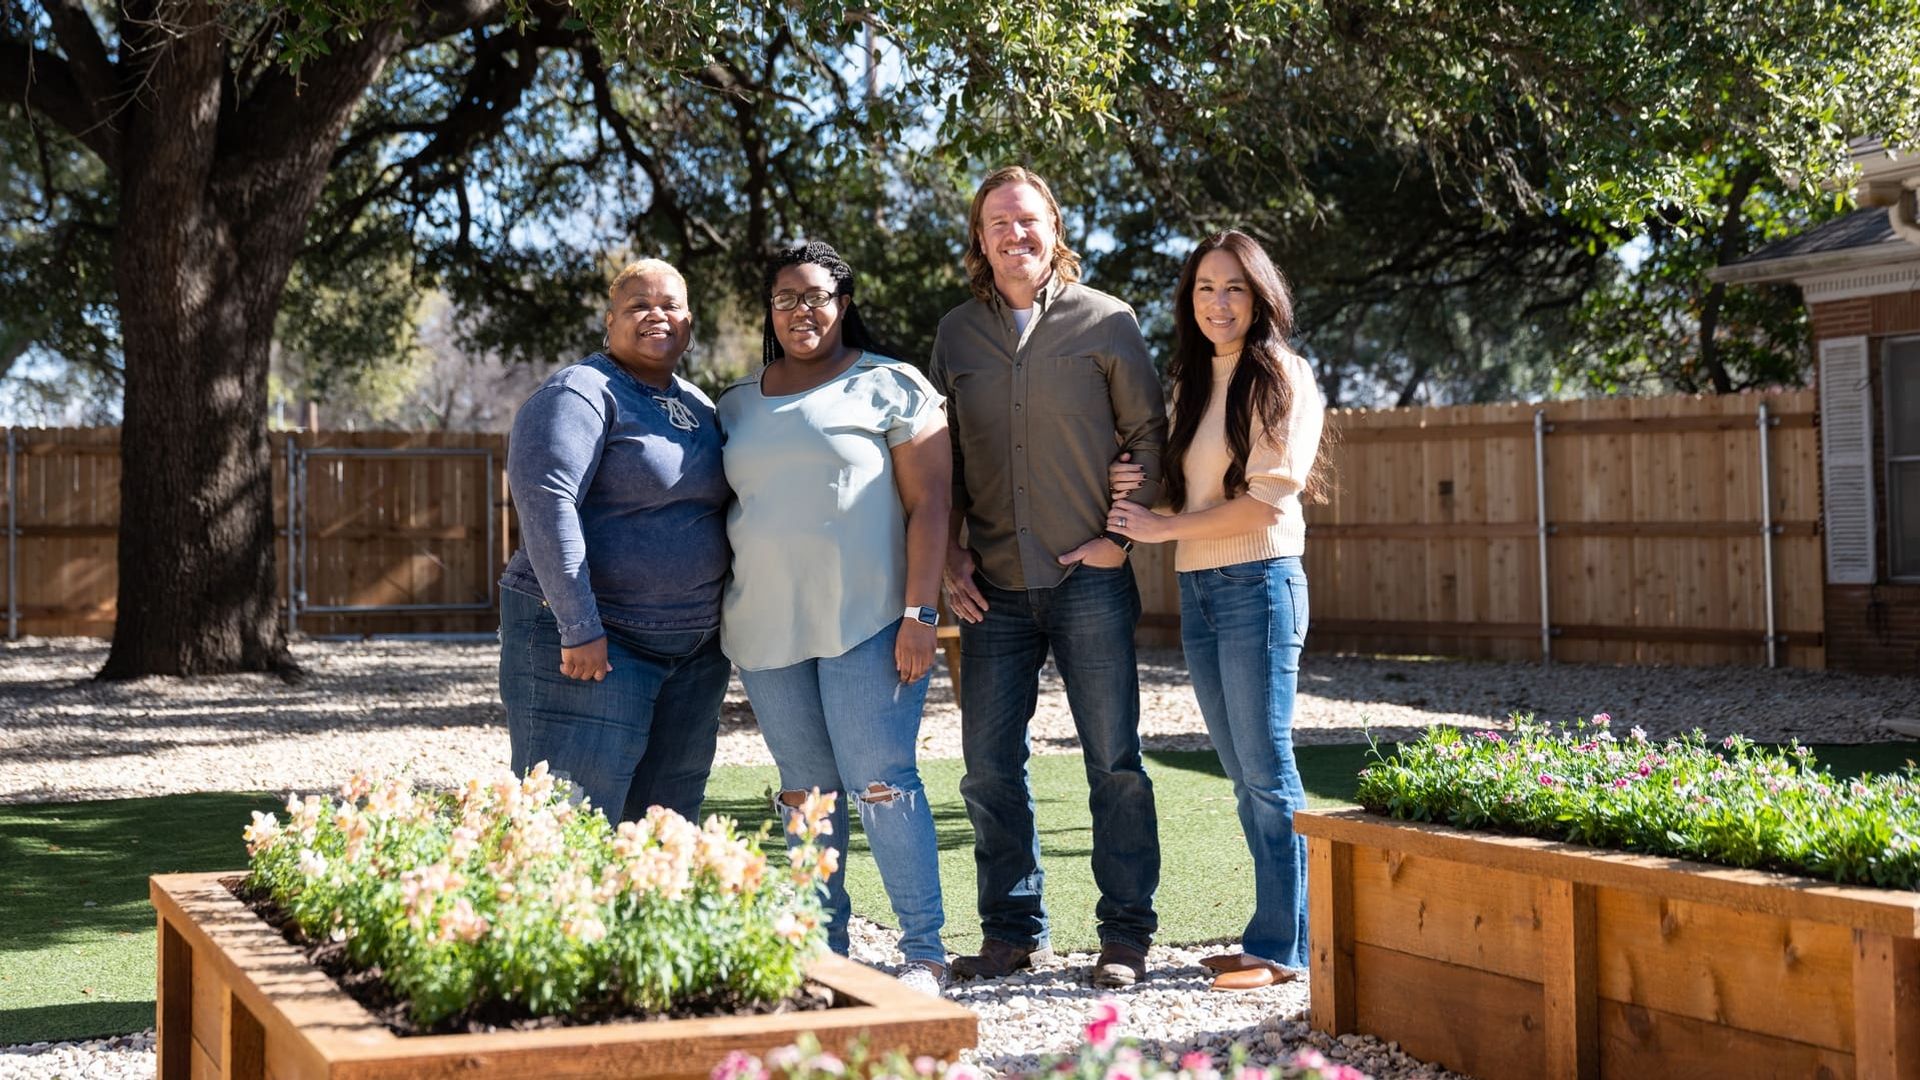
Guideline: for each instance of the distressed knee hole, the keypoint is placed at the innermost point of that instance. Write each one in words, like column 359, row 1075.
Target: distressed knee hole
column 878, row 792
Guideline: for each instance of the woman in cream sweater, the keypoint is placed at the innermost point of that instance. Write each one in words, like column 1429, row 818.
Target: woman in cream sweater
column 1241, row 453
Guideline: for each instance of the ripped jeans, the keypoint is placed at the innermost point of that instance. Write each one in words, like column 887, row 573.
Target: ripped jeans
column 847, row 724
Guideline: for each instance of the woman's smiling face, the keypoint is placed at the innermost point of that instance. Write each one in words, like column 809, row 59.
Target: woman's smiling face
column 1222, row 301
column 808, row 333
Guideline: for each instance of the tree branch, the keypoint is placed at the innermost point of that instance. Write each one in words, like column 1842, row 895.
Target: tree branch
column 47, row 84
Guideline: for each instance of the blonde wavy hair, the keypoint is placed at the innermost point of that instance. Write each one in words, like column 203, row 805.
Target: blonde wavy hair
column 1066, row 261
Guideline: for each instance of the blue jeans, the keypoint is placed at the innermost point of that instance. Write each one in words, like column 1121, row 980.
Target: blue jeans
column 1087, row 621
column 643, row 736
column 846, row 724
column 1242, row 627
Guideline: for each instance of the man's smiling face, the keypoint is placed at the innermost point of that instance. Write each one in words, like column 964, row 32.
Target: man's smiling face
column 1018, row 235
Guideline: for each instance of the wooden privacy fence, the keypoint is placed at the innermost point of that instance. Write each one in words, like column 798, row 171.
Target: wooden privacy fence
column 1652, row 534
column 1655, row 530
column 393, row 532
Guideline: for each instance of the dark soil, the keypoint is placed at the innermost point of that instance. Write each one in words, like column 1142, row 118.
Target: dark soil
column 368, row 987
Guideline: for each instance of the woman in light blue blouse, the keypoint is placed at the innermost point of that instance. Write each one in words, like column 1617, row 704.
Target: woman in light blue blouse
column 610, row 662
column 840, row 467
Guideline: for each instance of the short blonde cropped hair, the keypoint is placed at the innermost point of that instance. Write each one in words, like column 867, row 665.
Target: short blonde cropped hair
column 635, row 269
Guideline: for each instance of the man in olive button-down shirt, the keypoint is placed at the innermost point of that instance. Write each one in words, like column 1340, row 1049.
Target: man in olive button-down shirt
column 1047, row 381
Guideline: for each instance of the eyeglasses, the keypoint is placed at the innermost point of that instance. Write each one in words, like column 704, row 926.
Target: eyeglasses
column 813, row 298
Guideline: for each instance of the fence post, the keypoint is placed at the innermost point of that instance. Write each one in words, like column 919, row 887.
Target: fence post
column 293, row 533
column 1540, row 503
column 1765, row 420
column 13, row 538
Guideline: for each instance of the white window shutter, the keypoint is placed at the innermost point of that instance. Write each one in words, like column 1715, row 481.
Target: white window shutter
column 1846, row 460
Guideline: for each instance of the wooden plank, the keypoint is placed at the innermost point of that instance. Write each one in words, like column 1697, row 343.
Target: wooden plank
column 244, row 1053
column 173, row 1004
column 1892, row 911
column 1330, row 927
column 1886, row 1006
column 202, row 1066
column 1469, row 1021
column 1517, row 630
column 1569, row 982
column 1753, row 970
column 209, row 1006
column 1415, row 530
column 1638, row 1043
column 1448, row 911
column 1435, row 429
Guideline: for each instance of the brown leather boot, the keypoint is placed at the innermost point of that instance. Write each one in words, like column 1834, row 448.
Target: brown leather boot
column 998, row 958
column 1119, row 965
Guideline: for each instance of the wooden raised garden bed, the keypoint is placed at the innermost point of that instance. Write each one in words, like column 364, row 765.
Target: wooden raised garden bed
column 1505, row 956
column 236, row 1000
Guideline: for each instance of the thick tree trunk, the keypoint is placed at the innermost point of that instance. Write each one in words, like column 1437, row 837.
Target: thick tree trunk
column 209, row 231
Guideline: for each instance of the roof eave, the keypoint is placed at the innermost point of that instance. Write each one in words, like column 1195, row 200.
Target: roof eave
column 1797, row 267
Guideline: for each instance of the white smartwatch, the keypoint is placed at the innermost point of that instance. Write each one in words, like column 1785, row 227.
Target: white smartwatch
column 930, row 616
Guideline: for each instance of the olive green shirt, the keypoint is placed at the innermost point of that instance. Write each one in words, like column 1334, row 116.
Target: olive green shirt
column 1036, row 419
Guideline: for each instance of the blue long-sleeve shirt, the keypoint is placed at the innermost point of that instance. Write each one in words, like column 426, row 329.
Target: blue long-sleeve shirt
column 622, row 511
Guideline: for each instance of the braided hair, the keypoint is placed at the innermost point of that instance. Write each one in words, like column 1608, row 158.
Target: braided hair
column 853, row 332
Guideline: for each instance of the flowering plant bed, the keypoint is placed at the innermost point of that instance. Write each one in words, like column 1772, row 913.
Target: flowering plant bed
column 506, row 905
column 1733, row 803
column 1516, row 956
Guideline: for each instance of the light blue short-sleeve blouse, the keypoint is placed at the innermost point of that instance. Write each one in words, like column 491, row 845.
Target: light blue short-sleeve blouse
column 818, row 534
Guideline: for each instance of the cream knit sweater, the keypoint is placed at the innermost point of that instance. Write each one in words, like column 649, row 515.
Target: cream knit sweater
column 1277, row 468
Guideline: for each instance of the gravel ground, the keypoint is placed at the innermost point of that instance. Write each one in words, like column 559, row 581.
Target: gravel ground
column 434, row 709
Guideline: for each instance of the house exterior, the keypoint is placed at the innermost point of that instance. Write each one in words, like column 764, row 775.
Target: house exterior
column 1860, row 277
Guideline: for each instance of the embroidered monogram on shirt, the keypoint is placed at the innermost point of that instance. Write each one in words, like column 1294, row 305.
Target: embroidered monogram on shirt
column 677, row 412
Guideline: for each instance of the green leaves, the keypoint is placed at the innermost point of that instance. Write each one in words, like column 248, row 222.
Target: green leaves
column 1732, row 802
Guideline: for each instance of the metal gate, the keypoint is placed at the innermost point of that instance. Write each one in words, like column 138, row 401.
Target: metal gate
column 302, row 535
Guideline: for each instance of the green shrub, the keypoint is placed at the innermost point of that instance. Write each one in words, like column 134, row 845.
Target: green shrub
column 1731, row 802
column 508, row 891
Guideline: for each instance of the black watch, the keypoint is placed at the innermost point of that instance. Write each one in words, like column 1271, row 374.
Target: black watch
column 1119, row 541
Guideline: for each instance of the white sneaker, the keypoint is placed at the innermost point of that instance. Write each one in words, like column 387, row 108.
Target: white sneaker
column 926, row 976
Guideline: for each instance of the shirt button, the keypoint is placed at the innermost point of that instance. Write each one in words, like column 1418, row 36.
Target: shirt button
column 1019, row 491
column 1017, row 447
column 1016, row 406
column 1023, row 532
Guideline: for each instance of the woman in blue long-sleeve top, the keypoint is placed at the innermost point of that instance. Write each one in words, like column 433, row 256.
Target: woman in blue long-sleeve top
column 610, row 662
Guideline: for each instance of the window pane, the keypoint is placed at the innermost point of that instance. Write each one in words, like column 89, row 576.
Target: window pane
column 1903, row 498
column 1903, row 397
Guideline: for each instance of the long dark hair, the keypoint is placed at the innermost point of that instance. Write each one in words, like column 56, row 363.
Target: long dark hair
column 1259, row 387
column 853, row 332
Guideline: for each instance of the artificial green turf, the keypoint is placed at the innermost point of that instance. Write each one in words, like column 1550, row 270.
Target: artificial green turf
column 76, row 931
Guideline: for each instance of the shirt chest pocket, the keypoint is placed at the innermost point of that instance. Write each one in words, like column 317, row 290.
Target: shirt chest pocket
column 1069, row 385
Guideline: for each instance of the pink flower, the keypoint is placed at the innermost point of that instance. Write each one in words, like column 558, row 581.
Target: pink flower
column 1547, row 780
column 1106, row 1018
column 740, row 1065
column 1196, row 1060
column 1249, row 1072
column 1309, row 1058
column 1620, row 781
column 1602, row 719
